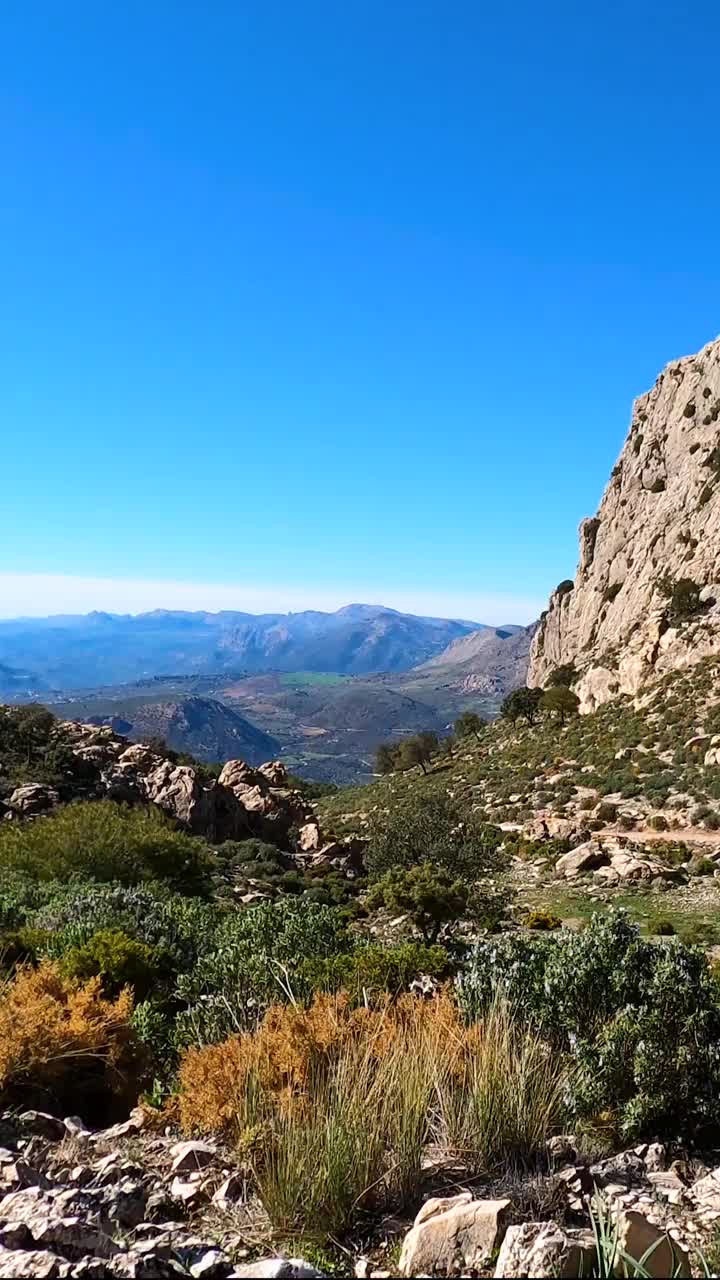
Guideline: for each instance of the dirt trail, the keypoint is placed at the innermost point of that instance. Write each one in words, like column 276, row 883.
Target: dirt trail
column 646, row 835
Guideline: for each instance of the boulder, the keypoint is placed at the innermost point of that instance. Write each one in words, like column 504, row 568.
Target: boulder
column 41, row 1124
column 545, row 1249
column 309, row 838
column 30, row 1264
column 640, row 1239
column 453, row 1235
column 176, row 790
column 586, row 857
column 33, row 798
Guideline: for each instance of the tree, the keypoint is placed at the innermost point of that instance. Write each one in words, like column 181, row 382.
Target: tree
column 564, row 675
column 522, row 704
column 431, row 828
column 447, row 746
column 561, row 702
column 411, row 753
column 428, row 894
column 386, row 757
column 428, row 741
column 469, row 723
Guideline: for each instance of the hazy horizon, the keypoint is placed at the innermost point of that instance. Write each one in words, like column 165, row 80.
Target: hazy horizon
column 43, row 595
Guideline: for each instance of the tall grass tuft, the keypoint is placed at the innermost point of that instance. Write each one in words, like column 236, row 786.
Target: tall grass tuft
column 503, row 1094
column 336, row 1105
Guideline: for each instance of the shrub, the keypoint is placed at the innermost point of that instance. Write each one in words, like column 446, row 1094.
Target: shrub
column 542, row 920
column 65, row 1041
column 104, row 841
column 344, row 1101
column 374, row 969
column 606, row 812
column 683, row 596
column 703, row 867
column 254, row 958
column 641, row 1021
column 661, row 928
column 117, row 960
column 658, row 822
column 431, row 828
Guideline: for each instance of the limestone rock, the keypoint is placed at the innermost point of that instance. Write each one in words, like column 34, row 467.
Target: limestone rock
column 586, row 857
column 189, row 1156
column 659, row 518
column 31, row 1264
column 636, row 1235
column 544, row 1249
column 277, row 1269
column 451, row 1236
column 33, row 798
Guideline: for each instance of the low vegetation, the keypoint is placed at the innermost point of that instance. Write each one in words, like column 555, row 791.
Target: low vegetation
column 352, row 1023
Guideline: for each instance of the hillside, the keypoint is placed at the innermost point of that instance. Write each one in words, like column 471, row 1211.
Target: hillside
column 203, row 727
column 100, row 649
column 476, row 671
column 646, row 596
column 644, row 772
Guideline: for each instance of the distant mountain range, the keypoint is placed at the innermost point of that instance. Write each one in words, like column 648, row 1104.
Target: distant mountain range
column 324, row 725
column 80, row 652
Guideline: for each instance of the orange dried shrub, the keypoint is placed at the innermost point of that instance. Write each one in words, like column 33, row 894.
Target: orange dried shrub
column 281, row 1062
column 63, row 1039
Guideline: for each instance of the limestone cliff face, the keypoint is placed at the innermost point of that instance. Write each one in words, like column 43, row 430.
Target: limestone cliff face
column 658, row 523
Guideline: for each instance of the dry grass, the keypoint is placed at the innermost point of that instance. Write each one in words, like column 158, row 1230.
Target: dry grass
column 334, row 1107
column 63, row 1037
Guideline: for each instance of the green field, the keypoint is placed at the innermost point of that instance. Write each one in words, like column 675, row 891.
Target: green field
column 311, row 679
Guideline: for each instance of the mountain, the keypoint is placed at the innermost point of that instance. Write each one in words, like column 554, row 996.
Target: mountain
column 16, row 683
column 203, row 727
column 646, row 596
column 99, row 649
column 489, row 661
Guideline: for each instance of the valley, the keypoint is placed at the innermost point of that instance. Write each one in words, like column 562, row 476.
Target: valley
column 325, row 725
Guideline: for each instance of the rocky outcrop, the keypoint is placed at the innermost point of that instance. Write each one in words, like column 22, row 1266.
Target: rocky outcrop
column 242, row 801
column 624, row 619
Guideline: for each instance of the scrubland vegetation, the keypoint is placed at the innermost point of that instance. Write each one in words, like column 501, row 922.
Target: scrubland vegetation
column 350, row 1058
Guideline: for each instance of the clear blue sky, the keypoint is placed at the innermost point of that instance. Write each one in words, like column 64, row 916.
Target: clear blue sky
column 323, row 298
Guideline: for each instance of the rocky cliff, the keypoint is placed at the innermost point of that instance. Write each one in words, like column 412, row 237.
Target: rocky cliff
column 646, row 596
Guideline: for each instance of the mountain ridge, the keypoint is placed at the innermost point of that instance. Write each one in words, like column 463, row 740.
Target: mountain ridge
column 80, row 651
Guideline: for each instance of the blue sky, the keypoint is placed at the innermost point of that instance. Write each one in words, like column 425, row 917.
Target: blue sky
column 309, row 303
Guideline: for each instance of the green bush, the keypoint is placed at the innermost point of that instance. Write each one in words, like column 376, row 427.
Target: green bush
column 606, row 812
column 542, row 920
column 105, row 841
column 658, row 822
column 254, row 960
column 431, row 828
column 661, row 928
column 120, row 961
column 374, row 968
column 640, row 1020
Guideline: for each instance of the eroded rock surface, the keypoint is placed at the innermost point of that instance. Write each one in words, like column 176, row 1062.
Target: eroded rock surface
column 658, row 523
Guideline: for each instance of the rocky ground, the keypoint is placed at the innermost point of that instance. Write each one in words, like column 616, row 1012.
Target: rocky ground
column 134, row 1202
